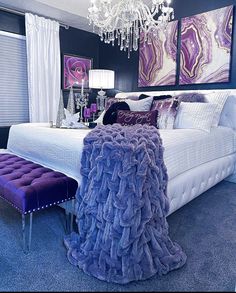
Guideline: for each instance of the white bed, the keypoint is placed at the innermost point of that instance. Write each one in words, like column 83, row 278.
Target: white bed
column 195, row 160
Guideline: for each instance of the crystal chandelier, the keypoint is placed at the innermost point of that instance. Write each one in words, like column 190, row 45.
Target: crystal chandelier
column 126, row 20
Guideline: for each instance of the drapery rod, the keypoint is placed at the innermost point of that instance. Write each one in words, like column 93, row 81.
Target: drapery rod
column 23, row 13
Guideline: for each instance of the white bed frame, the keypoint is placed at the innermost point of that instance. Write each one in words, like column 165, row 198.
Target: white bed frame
column 190, row 184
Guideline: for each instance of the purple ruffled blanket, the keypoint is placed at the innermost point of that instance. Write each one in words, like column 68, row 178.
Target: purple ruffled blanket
column 122, row 207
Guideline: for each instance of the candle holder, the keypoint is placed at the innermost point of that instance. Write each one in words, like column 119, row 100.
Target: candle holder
column 87, row 114
column 93, row 109
column 81, row 102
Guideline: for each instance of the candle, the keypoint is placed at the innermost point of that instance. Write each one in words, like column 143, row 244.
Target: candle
column 86, row 112
column 82, row 87
column 93, row 108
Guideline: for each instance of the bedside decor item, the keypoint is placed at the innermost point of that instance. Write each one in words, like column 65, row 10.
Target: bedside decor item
column 81, row 102
column 75, row 71
column 157, row 58
column 92, row 124
column 60, row 113
column 101, row 79
column 206, row 41
column 87, row 114
column 125, row 20
column 72, row 120
column 71, row 102
column 93, row 109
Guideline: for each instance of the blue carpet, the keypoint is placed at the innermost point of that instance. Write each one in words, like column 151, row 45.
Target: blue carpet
column 205, row 228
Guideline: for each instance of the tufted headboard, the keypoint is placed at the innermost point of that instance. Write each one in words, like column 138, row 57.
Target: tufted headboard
column 228, row 115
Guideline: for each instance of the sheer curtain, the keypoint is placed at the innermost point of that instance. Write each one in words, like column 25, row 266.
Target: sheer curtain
column 44, row 67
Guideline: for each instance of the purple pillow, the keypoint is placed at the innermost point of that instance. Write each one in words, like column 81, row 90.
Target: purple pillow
column 167, row 111
column 137, row 117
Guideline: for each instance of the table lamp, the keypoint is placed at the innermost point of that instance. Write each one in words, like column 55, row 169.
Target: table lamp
column 101, row 79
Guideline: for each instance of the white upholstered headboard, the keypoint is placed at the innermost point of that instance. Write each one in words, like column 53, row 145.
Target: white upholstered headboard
column 228, row 116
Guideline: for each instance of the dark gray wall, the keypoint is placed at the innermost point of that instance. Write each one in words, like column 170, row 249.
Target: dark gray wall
column 127, row 69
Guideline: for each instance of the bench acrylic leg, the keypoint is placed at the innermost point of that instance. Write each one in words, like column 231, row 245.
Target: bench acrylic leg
column 26, row 248
column 30, row 230
column 23, row 232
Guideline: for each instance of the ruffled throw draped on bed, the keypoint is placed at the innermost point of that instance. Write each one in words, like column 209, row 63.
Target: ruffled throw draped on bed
column 122, row 207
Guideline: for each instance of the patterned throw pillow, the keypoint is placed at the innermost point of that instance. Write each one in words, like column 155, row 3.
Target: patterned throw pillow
column 167, row 111
column 133, row 117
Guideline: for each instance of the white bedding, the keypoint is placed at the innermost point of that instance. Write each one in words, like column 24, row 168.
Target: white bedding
column 61, row 149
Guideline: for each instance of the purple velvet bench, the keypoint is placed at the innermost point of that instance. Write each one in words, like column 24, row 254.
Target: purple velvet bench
column 30, row 187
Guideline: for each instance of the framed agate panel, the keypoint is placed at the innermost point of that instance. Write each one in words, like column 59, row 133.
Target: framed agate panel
column 206, row 41
column 157, row 58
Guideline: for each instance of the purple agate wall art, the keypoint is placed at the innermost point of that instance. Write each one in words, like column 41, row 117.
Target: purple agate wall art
column 206, row 47
column 157, row 58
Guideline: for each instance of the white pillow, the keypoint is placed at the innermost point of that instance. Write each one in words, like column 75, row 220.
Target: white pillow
column 218, row 98
column 140, row 105
column 195, row 115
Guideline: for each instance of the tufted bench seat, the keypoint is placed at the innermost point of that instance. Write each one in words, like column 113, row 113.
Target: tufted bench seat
column 30, row 187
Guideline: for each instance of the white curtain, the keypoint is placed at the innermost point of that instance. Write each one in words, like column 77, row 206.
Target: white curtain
column 44, row 67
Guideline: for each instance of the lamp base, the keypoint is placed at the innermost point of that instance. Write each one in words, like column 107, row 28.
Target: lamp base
column 101, row 102
column 101, row 92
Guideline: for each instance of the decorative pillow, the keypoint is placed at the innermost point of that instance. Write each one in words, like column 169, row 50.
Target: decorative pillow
column 191, row 97
column 195, row 115
column 132, row 117
column 162, row 97
column 143, row 96
column 167, row 111
column 132, row 97
column 219, row 98
column 110, row 115
column 140, row 105
column 111, row 101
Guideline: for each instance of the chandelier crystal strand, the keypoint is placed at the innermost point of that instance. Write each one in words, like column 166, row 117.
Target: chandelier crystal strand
column 127, row 19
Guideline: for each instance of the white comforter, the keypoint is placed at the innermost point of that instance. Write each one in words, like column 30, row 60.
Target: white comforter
column 61, row 149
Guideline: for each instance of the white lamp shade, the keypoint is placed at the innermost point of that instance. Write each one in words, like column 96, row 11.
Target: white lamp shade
column 101, row 79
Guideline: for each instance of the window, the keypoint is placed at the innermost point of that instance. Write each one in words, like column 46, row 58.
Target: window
column 14, row 101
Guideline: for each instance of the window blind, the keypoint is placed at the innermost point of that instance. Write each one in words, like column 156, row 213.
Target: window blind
column 14, row 102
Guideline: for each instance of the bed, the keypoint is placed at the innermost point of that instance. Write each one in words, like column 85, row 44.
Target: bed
column 195, row 160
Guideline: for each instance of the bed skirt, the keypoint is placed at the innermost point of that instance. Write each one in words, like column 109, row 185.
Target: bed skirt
column 122, row 207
